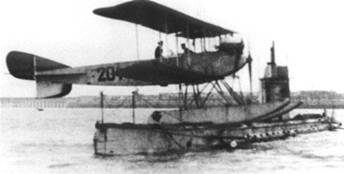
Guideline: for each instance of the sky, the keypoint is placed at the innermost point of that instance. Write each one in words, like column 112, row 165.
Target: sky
column 308, row 35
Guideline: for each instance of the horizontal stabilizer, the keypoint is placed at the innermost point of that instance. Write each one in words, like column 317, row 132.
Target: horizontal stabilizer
column 23, row 65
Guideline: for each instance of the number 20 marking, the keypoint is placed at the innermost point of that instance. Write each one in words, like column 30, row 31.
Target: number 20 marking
column 106, row 74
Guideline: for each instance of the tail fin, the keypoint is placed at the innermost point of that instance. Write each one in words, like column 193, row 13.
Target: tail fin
column 24, row 66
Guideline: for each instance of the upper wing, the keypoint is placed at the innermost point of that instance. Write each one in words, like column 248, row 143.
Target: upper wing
column 162, row 18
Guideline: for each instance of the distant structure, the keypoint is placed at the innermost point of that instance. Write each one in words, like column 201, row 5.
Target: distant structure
column 33, row 103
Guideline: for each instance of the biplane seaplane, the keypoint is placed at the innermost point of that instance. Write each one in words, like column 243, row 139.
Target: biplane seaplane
column 193, row 125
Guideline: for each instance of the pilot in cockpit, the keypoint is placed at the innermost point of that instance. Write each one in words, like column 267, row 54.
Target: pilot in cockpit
column 186, row 54
column 186, row 50
column 159, row 51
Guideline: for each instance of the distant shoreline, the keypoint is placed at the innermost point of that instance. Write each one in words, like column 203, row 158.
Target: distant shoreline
column 34, row 103
column 310, row 99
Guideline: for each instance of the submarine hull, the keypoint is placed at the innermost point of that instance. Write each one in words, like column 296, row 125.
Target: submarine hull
column 127, row 139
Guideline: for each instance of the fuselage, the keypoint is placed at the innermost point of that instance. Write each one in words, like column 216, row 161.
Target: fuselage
column 55, row 79
column 190, row 69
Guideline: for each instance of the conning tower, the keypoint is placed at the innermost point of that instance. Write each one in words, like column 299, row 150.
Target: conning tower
column 275, row 83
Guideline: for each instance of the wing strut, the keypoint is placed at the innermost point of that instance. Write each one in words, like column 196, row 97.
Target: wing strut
column 137, row 41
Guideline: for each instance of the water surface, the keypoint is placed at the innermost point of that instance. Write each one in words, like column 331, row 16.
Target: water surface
column 60, row 141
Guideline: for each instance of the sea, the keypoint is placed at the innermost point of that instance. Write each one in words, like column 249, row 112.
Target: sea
column 59, row 141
